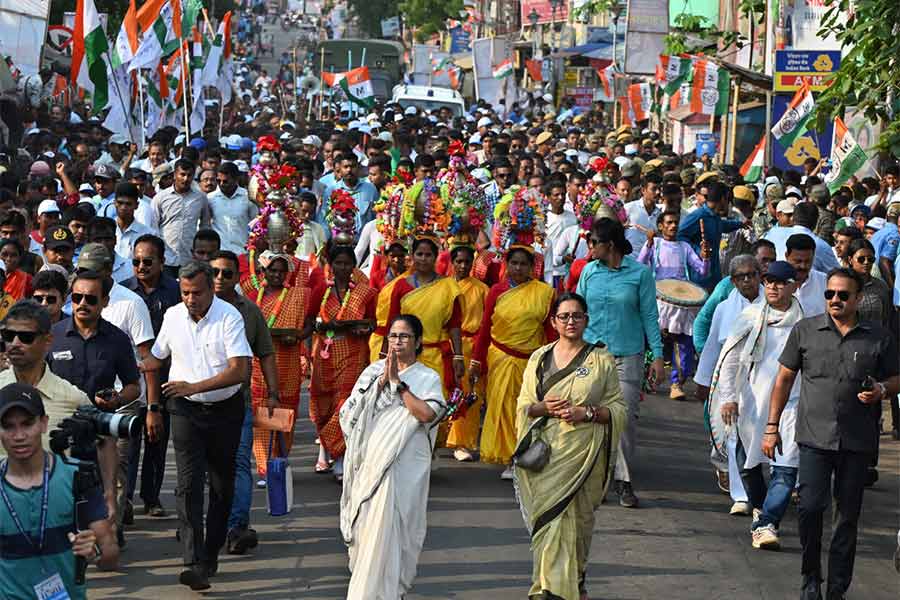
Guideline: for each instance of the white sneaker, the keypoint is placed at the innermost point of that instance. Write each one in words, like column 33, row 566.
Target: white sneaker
column 766, row 538
column 507, row 473
column 261, row 484
column 756, row 514
column 463, row 455
column 740, row 508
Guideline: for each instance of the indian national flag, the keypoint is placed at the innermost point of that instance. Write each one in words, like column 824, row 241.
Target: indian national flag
column 607, row 80
column 356, row 83
column 89, row 66
column 847, row 157
column 504, row 69
column 438, row 65
column 160, row 24
column 672, row 71
column 793, row 122
column 752, row 168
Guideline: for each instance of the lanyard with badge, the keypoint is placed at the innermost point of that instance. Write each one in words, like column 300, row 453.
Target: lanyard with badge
column 51, row 588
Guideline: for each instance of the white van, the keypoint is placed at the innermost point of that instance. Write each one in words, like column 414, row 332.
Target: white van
column 427, row 98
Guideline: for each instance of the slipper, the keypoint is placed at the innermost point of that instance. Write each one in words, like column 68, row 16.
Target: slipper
column 322, row 467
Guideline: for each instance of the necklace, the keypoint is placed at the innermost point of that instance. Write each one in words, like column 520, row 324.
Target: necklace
column 278, row 303
column 325, row 353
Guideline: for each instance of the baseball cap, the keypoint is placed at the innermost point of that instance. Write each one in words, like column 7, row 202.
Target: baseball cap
column 39, row 169
column 629, row 169
column 631, row 149
column 876, row 223
column 385, row 136
column 58, row 237
column 289, row 124
column 548, row 98
column 774, row 191
column 543, row 138
column 780, row 270
column 312, row 140
column 94, row 257
column 893, row 209
column 119, row 139
column 105, row 171
column 232, row 142
column 706, row 176
column 786, row 206
column 484, row 122
column 475, row 139
column 410, row 110
column 285, row 136
column 86, row 189
column 199, row 144
column 21, row 395
column 861, row 208
column 742, row 192
column 47, row 206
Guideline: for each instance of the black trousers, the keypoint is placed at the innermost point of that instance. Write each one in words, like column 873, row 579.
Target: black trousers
column 205, row 438
column 153, row 465
column 815, row 478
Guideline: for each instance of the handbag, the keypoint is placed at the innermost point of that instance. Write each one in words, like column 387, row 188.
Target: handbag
column 279, row 480
column 282, row 419
column 533, row 452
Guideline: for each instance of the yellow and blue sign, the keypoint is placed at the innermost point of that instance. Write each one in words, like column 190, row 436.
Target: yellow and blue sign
column 793, row 66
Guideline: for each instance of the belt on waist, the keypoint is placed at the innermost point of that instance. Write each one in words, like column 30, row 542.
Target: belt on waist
column 217, row 405
column 512, row 351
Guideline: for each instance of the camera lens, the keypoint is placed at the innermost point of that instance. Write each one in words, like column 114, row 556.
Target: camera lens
column 118, row 425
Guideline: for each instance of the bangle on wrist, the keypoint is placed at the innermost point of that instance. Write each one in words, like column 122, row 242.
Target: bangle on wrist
column 459, row 357
column 775, row 423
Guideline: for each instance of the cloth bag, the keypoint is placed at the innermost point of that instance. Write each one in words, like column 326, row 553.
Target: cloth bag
column 279, row 480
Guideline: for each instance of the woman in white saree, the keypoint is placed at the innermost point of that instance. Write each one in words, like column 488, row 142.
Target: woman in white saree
column 387, row 426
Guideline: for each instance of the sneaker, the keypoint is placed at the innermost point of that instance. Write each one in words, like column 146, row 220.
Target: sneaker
column 507, row 473
column 261, row 484
column 675, row 392
column 766, row 538
column 128, row 513
column 627, row 498
column 722, row 481
column 756, row 514
column 195, row 578
column 463, row 455
column 241, row 540
column 741, row 508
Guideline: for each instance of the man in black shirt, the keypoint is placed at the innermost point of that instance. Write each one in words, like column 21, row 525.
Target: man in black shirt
column 848, row 366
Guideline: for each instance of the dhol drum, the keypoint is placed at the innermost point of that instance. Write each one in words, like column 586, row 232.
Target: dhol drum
column 678, row 303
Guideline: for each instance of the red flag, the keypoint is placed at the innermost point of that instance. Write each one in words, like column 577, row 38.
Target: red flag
column 534, row 69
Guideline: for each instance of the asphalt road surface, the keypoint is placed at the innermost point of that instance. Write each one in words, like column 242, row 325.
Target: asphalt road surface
column 681, row 543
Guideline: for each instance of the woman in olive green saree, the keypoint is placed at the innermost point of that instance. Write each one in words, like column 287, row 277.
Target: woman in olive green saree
column 570, row 399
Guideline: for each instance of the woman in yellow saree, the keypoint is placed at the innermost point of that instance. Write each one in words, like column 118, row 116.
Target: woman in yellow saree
column 463, row 435
column 570, row 398
column 516, row 323
column 384, row 282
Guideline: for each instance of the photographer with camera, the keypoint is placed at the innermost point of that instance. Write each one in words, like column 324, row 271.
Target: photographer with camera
column 205, row 338
column 40, row 547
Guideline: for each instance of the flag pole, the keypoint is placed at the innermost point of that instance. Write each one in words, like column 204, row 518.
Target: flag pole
column 734, row 119
column 184, row 92
column 140, row 82
column 321, row 79
column 125, row 113
column 221, row 112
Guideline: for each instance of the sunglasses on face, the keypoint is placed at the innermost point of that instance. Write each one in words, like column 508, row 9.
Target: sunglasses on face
column 842, row 294
column 91, row 299
column 44, row 298
column 146, row 262
column 865, row 260
column 26, row 337
column 224, row 273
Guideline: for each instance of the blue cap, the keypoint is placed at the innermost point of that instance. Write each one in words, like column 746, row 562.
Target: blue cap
column 199, row 144
column 247, row 144
column 780, row 270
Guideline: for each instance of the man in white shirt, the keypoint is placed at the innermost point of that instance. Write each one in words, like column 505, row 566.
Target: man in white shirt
column 231, row 210
column 207, row 408
column 144, row 213
column 180, row 209
column 811, row 284
column 574, row 186
column 557, row 221
column 642, row 214
column 127, row 228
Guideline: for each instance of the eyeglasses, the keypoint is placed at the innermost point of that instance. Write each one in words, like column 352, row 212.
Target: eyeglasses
column 44, row 298
column 403, row 337
column 575, row 317
column 842, row 294
column 865, row 260
column 146, row 262
column 224, row 273
column 774, row 283
column 26, row 337
column 91, row 299
column 745, row 276
column 503, row 175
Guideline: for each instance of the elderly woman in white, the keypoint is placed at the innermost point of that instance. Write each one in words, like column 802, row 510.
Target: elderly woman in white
column 387, row 423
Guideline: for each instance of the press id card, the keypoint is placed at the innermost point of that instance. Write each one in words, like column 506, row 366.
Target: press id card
column 51, row 588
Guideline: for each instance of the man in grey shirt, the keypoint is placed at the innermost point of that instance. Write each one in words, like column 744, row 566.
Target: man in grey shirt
column 181, row 209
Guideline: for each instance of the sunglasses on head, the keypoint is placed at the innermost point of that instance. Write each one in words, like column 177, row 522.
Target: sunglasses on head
column 842, row 294
column 26, row 337
column 225, row 273
column 147, row 262
column 44, row 298
column 91, row 299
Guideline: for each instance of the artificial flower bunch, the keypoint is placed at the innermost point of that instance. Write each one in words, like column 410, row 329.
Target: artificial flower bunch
column 340, row 215
column 280, row 186
column 464, row 200
column 594, row 197
column 388, row 210
column 519, row 218
column 423, row 211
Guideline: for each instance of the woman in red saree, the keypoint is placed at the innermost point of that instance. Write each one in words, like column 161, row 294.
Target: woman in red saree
column 18, row 282
column 340, row 351
column 289, row 313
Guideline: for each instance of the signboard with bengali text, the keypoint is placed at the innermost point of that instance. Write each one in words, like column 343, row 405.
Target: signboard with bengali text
column 793, row 66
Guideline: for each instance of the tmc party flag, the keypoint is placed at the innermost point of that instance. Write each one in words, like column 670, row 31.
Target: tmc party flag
column 127, row 40
column 709, row 88
column 752, row 168
column 216, row 71
column 607, row 77
column 90, row 50
column 439, row 65
column 847, row 157
column 504, row 69
column 672, row 71
column 793, row 122
column 156, row 20
column 641, row 99
column 356, row 83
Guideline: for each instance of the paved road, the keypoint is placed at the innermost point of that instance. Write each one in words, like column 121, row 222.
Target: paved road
column 680, row 544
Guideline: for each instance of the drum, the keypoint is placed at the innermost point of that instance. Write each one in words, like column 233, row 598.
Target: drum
column 680, row 293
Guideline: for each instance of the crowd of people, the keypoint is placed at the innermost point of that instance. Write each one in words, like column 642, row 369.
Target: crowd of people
column 506, row 284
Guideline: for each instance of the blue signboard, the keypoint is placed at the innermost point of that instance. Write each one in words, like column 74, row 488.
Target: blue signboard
column 816, row 66
column 707, row 144
column 460, row 40
column 813, row 143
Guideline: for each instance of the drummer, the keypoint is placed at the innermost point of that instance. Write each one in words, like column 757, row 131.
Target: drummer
column 670, row 259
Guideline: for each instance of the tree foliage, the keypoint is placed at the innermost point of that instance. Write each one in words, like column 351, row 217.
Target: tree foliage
column 869, row 76
column 369, row 14
column 429, row 16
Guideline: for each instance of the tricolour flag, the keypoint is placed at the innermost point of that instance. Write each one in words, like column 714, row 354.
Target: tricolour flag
column 793, row 122
column 453, row 72
column 217, row 66
column 607, row 80
column 127, row 40
column 847, row 157
column 709, row 88
column 89, row 45
column 160, row 24
column 504, row 69
column 752, row 168
column 672, row 71
column 439, row 65
column 356, row 83
column 641, row 98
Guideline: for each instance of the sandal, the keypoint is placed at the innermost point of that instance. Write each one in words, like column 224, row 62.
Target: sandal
column 323, row 467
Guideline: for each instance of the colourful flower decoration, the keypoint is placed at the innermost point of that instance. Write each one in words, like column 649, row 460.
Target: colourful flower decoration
column 593, row 196
column 267, row 143
column 340, row 215
column 519, row 218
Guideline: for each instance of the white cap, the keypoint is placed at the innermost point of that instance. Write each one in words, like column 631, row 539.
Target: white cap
column 32, row 131
column 482, row 175
column 312, row 140
column 621, row 160
column 475, row 139
column 285, row 136
column 353, row 125
column 365, row 129
column 386, row 136
column 242, row 166
column 179, row 139
column 432, row 118
column 470, row 118
column 84, row 188
column 548, row 98
column 484, row 122
column 375, row 124
column 47, row 206
column 631, row 149
column 410, row 110
column 291, row 123
column 118, row 138
column 571, row 152
column 876, row 223
column 398, row 118
column 371, row 117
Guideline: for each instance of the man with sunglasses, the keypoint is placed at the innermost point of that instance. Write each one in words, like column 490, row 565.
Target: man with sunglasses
column 231, row 209
column 50, row 290
column 847, row 368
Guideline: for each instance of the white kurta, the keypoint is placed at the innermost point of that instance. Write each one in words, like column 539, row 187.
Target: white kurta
column 386, row 479
column 723, row 317
column 812, row 294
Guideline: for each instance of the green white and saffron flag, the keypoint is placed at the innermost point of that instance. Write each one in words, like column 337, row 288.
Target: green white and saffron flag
column 160, row 35
column 90, row 54
column 217, row 72
column 847, row 157
column 672, row 71
column 504, row 69
column 793, row 123
column 752, row 168
column 357, row 84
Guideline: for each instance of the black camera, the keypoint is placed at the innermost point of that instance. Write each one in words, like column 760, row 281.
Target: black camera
column 88, row 423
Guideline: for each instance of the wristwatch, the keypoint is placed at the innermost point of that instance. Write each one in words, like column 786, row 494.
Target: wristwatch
column 154, row 408
column 882, row 387
column 589, row 414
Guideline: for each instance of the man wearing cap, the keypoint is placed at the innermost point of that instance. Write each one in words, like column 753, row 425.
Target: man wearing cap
column 119, row 153
column 48, row 214
column 748, row 365
column 886, row 242
column 59, row 247
column 231, row 210
column 784, row 223
column 32, row 477
column 766, row 215
column 181, row 209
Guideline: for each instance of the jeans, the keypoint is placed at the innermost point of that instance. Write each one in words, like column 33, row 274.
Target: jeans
column 826, row 473
column 771, row 500
column 243, row 481
column 631, row 374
